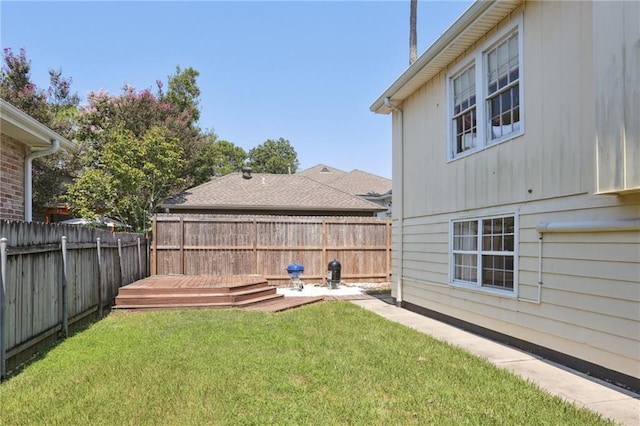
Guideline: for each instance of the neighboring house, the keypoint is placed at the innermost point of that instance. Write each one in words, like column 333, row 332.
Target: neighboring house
column 516, row 176
column 22, row 139
column 268, row 194
column 376, row 189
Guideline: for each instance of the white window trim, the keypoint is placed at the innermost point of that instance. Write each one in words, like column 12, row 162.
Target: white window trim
column 478, row 58
column 477, row 286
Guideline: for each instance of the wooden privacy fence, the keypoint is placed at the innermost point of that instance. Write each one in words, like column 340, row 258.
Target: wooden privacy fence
column 195, row 244
column 53, row 276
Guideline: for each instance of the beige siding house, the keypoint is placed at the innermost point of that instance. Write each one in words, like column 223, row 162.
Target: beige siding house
column 22, row 139
column 516, row 178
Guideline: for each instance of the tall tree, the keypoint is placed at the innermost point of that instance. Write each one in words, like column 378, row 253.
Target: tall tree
column 219, row 158
column 413, row 32
column 277, row 157
column 138, row 111
column 132, row 178
column 56, row 107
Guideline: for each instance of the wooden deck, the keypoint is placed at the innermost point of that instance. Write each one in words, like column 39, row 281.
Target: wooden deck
column 206, row 291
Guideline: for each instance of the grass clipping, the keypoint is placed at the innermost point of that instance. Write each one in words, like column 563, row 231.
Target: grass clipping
column 327, row 363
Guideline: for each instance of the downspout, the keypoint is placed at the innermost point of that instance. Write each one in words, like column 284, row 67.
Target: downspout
column 399, row 210
column 28, row 179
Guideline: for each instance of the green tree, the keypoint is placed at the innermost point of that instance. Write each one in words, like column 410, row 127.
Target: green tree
column 56, row 107
column 277, row 157
column 138, row 111
column 218, row 158
column 184, row 92
column 134, row 175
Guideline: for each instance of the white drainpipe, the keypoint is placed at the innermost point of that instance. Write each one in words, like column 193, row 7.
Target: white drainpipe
column 28, row 180
column 612, row 225
column 399, row 205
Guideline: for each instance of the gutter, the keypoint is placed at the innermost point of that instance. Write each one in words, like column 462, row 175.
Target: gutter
column 480, row 16
column 398, row 209
column 28, row 178
column 471, row 14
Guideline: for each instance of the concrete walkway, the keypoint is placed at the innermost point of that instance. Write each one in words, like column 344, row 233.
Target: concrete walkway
column 612, row 402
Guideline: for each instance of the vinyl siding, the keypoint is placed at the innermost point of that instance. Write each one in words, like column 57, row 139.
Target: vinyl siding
column 591, row 280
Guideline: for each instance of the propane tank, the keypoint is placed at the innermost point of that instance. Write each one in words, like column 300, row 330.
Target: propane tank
column 333, row 277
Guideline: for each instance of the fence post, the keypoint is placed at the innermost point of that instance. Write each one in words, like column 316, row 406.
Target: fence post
column 65, row 315
column 139, row 261
column 3, row 308
column 181, row 244
column 154, row 247
column 147, row 260
column 254, row 231
column 120, row 261
column 99, row 278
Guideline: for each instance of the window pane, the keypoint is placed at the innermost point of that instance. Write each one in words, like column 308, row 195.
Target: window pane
column 457, row 228
column 503, row 54
column 508, row 243
column 465, row 267
column 497, row 243
column 486, row 243
column 495, row 272
column 492, row 64
column 473, row 227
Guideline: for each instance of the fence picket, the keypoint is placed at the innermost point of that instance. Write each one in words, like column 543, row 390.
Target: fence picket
column 50, row 280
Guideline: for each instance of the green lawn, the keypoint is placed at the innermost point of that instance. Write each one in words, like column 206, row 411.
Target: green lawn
column 323, row 364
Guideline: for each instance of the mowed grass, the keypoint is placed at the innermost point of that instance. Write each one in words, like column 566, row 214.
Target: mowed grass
column 324, row 364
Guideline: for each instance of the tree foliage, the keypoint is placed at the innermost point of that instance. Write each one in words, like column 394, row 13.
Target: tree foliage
column 133, row 149
column 54, row 107
column 139, row 111
column 132, row 178
column 274, row 156
column 219, row 158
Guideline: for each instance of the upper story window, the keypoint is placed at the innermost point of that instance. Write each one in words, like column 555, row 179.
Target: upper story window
column 503, row 88
column 493, row 75
column 464, row 109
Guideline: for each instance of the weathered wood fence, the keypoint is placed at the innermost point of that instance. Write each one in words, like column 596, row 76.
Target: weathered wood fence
column 194, row 244
column 54, row 276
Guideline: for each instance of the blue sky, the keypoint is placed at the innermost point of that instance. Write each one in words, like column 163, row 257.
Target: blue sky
column 302, row 70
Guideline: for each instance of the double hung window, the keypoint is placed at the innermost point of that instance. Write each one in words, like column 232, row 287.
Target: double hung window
column 485, row 93
column 464, row 110
column 483, row 252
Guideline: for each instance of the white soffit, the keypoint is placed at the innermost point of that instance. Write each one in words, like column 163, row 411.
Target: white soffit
column 27, row 130
column 474, row 23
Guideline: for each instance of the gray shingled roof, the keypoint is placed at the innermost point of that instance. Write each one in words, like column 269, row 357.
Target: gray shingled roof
column 267, row 191
column 322, row 173
column 356, row 182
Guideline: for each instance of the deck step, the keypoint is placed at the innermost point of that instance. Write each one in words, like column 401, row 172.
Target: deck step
column 206, row 291
column 220, row 305
column 180, row 297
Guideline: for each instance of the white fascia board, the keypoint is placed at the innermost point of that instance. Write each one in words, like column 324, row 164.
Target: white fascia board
column 28, row 130
column 477, row 18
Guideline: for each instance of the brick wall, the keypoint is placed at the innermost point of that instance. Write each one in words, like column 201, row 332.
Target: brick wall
column 12, row 155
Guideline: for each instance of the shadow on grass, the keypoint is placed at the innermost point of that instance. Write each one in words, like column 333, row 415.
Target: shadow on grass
column 40, row 350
